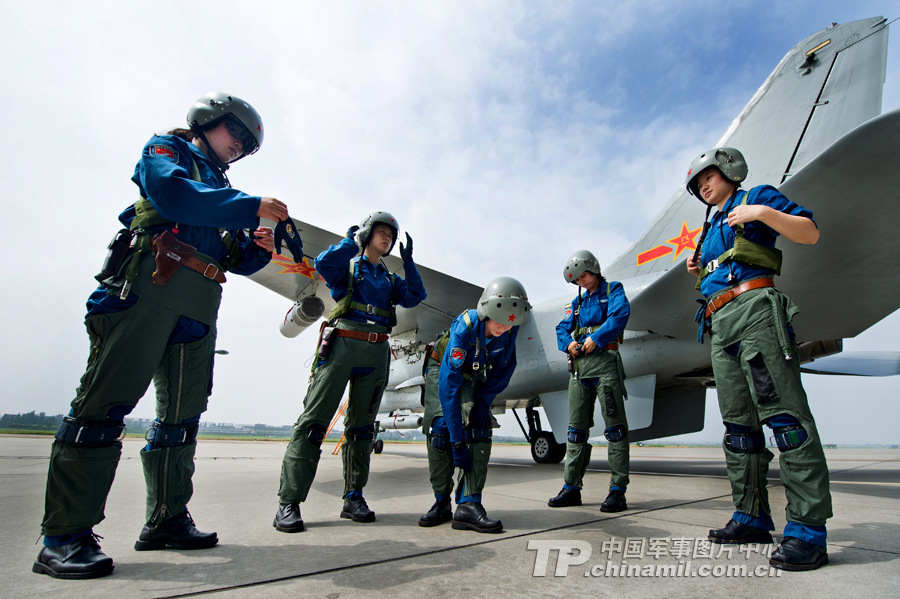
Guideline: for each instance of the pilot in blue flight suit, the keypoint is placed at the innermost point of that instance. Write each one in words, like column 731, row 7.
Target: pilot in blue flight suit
column 155, row 317
column 352, row 348
column 755, row 361
column 590, row 333
column 466, row 369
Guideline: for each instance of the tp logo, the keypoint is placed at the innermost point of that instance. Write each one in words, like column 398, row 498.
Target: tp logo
column 570, row 553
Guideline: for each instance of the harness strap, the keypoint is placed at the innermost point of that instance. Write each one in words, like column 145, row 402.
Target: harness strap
column 170, row 435
column 89, row 433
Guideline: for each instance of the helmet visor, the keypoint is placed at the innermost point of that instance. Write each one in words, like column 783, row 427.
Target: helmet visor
column 238, row 131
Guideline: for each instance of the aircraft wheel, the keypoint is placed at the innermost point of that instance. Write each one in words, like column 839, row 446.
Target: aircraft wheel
column 378, row 446
column 543, row 448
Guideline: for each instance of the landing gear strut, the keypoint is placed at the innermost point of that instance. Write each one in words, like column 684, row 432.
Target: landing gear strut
column 544, row 448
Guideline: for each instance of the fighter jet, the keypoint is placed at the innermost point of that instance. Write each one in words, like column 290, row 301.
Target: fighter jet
column 815, row 129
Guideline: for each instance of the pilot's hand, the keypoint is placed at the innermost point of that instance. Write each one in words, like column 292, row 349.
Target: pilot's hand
column 693, row 266
column 272, row 209
column 264, row 237
column 588, row 346
column 406, row 250
column 745, row 214
column 573, row 349
column 462, row 457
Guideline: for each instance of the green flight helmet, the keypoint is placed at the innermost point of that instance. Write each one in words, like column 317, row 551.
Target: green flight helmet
column 729, row 161
column 364, row 234
column 504, row 300
column 579, row 263
column 215, row 106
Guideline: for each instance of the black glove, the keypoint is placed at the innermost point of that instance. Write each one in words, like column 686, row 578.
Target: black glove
column 406, row 251
column 286, row 232
column 462, row 457
column 351, row 232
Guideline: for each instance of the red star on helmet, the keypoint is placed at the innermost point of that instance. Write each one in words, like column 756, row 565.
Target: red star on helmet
column 511, row 318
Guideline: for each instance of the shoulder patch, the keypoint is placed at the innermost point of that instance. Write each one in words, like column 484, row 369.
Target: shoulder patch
column 457, row 357
column 164, row 151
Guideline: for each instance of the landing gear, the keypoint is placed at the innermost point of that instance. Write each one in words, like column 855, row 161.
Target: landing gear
column 544, row 448
column 378, row 446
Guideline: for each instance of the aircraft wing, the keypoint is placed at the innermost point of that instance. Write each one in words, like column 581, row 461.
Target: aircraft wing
column 859, row 363
column 447, row 295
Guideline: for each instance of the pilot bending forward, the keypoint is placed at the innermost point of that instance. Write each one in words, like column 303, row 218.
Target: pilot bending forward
column 469, row 366
column 590, row 333
column 352, row 348
column 754, row 359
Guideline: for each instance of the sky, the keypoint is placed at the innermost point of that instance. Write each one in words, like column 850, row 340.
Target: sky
column 498, row 134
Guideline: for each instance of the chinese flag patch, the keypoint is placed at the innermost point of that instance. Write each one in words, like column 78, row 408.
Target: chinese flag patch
column 166, row 151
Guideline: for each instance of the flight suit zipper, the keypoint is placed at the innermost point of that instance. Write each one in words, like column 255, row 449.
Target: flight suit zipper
column 164, row 508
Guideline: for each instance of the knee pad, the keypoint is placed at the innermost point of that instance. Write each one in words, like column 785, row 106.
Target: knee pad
column 89, row 433
column 742, row 439
column 440, row 441
column 616, row 433
column 577, row 435
column 479, row 435
column 360, row 433
column 790, row 437
column 171, row 435
column 315, row 434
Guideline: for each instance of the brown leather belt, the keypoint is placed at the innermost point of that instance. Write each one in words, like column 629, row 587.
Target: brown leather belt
column 207, row 269
column 436, row 357
column 612, row 345
column 363, row 335
column 723, row 298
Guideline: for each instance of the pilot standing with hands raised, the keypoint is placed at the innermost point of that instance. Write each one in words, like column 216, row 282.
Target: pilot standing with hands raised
column 352, row 348
column 754, row 358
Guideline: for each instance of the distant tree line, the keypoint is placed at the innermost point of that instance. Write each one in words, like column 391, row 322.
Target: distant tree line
column 31, row 420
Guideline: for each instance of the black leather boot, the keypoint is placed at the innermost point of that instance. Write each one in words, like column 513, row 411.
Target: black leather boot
column 178, row 532
column 614, row 502
column 471, row 516
column 288, row 519
column 736, row 533
column 566, row 498
column 356, row 509
column 438, row 514
column 81, row 558
column 796, row 554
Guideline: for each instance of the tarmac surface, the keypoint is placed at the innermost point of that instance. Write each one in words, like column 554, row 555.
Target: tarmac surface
column 655, row 549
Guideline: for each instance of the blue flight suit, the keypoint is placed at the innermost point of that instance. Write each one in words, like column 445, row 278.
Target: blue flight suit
column 757, row 383
column 474, row 369
column 602, row 316
column 164, row 333
column 363, row 364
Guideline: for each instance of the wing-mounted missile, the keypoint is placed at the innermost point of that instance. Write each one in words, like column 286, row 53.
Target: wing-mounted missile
column 302, row 314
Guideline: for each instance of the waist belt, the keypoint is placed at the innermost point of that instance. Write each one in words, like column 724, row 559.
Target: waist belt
column 723, row 298
column 207, row 269
column 436, row 357
column 612, row 345
column 362, row 335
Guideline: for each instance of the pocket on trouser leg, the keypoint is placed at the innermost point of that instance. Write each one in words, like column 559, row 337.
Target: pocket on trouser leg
column 476, row 478
column 747, row 473
column 763, row 383
column 78, row 483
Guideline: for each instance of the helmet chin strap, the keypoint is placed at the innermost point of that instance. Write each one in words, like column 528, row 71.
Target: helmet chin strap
column 210, row 153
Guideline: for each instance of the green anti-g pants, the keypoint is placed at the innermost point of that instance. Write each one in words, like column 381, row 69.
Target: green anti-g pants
column 606, row 369
column 128, row 349
column 440, row 459
column 365, row 366
column 755, row 382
